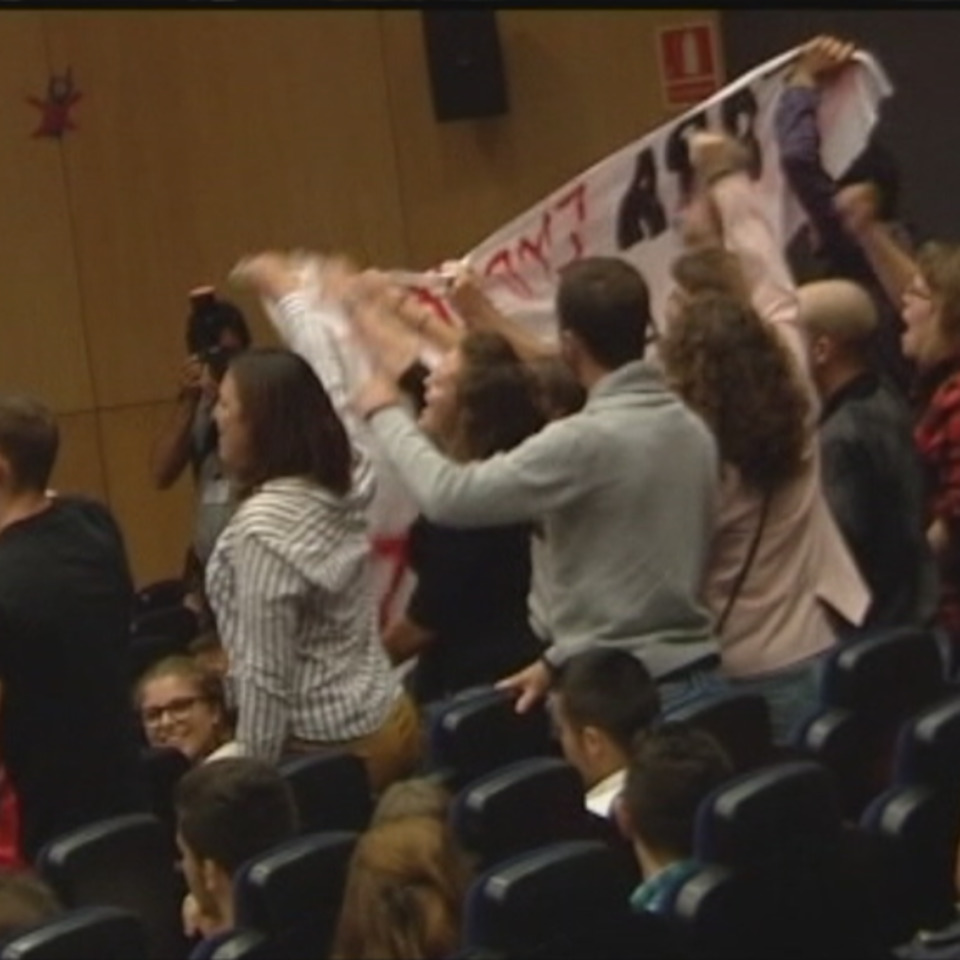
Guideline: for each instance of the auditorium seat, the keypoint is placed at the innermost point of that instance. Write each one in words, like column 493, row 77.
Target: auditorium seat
column 739, row 721
column 292, row 894
column 781, row 875
column 179, row 623
column 565, row 900
column 85, row 933
column 524, row 805
column 868, row 689
column 148, row 649
column 159, row 595
column 919, row 815
column 479, row 730
column 122, row 862
column 332, row 790
column 164, row 767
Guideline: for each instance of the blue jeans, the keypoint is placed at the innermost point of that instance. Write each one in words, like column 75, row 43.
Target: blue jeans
column 696, row 685
column 792, row 693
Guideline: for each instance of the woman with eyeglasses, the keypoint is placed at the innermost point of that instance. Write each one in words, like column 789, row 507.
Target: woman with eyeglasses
column 182, row 705
column 927, row 286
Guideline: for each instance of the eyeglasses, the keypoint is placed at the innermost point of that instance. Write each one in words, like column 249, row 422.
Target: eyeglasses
column 177, row 709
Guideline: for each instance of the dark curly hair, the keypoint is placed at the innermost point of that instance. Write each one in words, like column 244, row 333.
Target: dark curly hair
column 498, row 398
column 732, row 368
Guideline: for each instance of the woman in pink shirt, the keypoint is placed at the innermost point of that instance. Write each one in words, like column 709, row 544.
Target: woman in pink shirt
column 779, row 573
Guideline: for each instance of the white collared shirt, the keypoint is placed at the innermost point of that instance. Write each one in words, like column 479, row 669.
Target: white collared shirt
column 600, row 797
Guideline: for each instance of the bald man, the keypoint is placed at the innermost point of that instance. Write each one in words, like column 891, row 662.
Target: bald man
column 871, row 475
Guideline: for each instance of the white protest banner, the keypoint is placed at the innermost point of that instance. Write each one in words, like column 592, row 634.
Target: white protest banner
column 626, row 204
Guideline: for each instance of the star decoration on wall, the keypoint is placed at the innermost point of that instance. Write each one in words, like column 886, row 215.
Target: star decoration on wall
column 62, row 97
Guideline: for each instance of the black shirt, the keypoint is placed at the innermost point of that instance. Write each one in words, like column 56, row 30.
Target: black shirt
column 874, row 485
column 471, row 592
column 68, row 735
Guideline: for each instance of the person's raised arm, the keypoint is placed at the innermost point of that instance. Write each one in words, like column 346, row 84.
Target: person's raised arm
column 822, row 60
column 479, row 313
column 171, row 450
column 893, row 265
column 721, row 166
column 274, row 277
column 545, row 472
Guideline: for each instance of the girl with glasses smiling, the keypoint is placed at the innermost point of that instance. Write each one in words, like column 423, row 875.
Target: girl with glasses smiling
column 182, row 705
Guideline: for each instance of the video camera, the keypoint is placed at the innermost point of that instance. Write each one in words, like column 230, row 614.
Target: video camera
column 210, row 317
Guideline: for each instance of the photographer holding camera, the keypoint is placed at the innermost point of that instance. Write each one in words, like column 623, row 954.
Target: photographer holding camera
column 216, row 331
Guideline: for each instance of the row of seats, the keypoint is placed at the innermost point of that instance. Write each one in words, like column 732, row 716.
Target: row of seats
column 523, row 810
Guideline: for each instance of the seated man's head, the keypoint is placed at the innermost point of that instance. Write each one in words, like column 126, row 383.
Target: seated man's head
column 839, row 319
column 29, row 441
column 229, row 811
column 672, row 769
column 601, row 699
column 603, row 310
column 182, row 705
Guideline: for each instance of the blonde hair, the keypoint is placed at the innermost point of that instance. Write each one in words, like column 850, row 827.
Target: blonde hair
column 404, row 893
column 415, row 797
column 939, row 265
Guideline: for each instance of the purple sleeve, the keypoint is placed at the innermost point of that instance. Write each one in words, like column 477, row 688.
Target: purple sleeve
column 798, row 138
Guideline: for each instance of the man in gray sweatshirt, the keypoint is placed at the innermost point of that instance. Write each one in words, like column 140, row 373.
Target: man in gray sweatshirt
column 625, row 490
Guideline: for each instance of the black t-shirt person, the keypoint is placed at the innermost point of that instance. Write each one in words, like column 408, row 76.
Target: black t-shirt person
column 68, row 736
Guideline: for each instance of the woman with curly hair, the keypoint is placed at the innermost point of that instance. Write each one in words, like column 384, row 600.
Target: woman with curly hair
column 779, row 573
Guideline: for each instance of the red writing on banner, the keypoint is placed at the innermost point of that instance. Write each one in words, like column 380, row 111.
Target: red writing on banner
column 434, row 302
column 556, row 241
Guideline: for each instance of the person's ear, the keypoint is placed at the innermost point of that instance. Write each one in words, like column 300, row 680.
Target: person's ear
column 6, row 474
column 593, row 741
column 212, row 876
column 821, row 350
column 569, row 347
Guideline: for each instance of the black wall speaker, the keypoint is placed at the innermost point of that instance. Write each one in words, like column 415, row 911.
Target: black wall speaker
column 465, row 63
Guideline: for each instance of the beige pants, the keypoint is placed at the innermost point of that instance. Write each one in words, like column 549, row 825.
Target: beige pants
column 390, row 753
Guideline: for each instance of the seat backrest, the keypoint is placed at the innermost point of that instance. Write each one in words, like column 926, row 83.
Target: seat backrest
column 739, row 721
column 293, row 893
column 567, row 899
column 164, row 767
column 332, row 790
column 922, row 832
column 122, row 862
column 103, row 933
column 928, row 749
column 145, row 650
column 854, row 749
column 479, row 730
column 893, row 674
column 524, row 805
column 179, row 623
column 777, row 813
column 159, row 595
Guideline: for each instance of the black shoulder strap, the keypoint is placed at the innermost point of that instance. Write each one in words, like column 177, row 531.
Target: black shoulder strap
column 747, row 564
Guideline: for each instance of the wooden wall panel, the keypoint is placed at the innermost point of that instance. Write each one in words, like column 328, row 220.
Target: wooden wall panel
column 42, row 349
column 206, row 135
column 157, row 524
column 79, row 468
column 581, row 84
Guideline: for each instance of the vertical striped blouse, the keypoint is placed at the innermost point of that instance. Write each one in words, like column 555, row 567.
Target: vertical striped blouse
column 290, row 584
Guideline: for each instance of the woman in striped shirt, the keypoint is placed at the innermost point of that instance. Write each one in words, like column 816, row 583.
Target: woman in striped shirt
column 290, row 579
